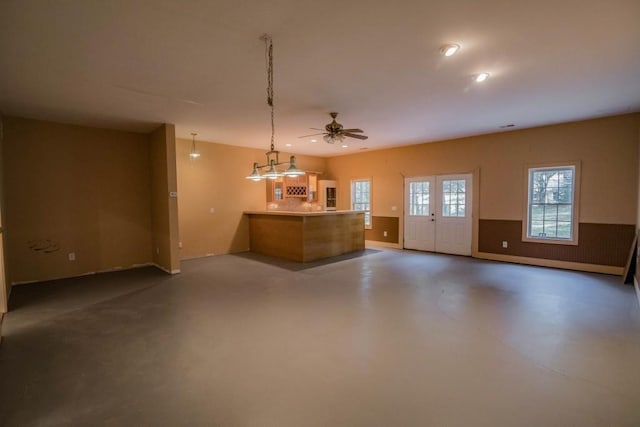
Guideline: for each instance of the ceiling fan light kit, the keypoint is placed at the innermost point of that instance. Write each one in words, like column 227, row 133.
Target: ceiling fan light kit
column 273, row 160
column 335, row 132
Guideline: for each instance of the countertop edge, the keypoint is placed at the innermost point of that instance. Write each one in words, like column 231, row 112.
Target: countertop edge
column 292, row 213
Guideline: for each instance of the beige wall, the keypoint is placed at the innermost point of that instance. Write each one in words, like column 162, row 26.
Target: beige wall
column 216, row 180
column 164, row 204
column 607, row 149
column 74, row 189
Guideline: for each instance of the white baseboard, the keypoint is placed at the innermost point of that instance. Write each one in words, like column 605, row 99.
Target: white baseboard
column 166, row 270
column 375, row 243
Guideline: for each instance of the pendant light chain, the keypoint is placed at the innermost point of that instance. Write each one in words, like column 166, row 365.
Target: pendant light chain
column 272, row 156
column 269, row 58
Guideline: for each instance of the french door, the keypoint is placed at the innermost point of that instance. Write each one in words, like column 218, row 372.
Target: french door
column 437, row 214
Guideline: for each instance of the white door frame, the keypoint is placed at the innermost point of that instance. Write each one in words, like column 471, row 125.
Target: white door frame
column 461, row 230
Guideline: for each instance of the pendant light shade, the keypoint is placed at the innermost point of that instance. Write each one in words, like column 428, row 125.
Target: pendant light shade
column 194, row 154
column 273, row 173
column 293, row 169
column 255, row 175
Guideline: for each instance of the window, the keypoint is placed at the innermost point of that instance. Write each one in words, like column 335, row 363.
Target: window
column 361, row 199
column 419, row 198
column 453, row 197
column 551, row 213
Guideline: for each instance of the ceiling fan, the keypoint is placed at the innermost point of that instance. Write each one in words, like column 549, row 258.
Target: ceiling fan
column 335, row 132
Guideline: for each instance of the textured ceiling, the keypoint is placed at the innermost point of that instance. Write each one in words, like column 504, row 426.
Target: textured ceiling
column 200, row 64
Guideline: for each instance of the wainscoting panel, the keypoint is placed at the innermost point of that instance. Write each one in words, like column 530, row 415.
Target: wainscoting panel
column 603, row 244
column 380, row 224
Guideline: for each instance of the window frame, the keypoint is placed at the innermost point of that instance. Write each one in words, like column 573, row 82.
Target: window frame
column 353, row 185
column 575, row 203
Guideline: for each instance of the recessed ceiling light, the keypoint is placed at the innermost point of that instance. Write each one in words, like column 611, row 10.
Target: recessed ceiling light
column 287, row 145
column 314, row 140
column 345, row 146
column 449, row 49
column 481, row 77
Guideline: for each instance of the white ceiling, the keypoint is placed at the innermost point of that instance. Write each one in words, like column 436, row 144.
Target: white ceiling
column 132, row 64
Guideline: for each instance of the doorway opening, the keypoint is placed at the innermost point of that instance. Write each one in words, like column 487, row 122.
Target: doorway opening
column 437, row 213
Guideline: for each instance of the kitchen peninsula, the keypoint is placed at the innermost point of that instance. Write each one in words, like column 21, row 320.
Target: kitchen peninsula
column 306, row 236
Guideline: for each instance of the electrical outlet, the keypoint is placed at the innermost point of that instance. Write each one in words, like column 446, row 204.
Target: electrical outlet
column 72, row 256
column 384, row 233
column 505, row 244
column 212, row 210
column 158, row 251
column 180, row 245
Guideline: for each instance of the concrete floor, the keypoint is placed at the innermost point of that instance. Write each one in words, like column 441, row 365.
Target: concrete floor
column 390, row 338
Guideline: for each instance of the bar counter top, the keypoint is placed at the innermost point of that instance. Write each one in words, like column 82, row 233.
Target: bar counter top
column 300, row 213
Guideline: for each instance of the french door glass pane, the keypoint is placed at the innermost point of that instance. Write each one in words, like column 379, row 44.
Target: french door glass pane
column 419, row 198
column 453, row 198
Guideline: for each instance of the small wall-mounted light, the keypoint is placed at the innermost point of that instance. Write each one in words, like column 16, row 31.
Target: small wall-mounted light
column 481, row 77
column 449, row 49
column 194, row 154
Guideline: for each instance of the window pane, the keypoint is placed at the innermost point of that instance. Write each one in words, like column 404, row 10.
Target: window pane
column 453, row 197
column 550, row 212
column 419, row 198
column 537, row 229
column 564, row 213
column 361, row 198
column 537, row 212
column 550, row 228
column 565, row 194
column 564, row 230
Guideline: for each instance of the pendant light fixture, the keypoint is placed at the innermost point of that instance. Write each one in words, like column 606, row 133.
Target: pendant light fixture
column 272, row 155
column 194, row 154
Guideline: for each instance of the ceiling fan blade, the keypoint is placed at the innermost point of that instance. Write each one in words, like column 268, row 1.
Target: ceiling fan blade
column 317, row 129
column 353, row 135
column 313, row 134
column 352, row 130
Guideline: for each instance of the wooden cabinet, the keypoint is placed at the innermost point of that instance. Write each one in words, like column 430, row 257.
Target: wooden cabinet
column 312, row 184
column 275, row 190
column 295, row 187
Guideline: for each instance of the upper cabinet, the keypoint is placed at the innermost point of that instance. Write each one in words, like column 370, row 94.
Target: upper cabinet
column 303, row 187
column 296, row 186
column 312, row 179
column 275, row 190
